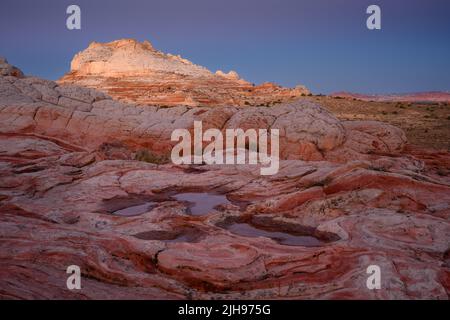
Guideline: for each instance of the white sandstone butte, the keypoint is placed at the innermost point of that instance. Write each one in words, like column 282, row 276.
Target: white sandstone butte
column 136, row 72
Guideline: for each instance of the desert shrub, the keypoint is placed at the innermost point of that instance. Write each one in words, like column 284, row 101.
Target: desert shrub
column 115, row 150
column 148, row 156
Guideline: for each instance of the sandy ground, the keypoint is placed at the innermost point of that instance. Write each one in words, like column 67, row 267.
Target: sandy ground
column 426, row 125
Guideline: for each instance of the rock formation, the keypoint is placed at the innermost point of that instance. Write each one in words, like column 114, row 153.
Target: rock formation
column 348, row 195
column 135, row 72
column 8, row 70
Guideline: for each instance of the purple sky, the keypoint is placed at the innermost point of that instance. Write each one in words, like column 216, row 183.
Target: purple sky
column 324, row 45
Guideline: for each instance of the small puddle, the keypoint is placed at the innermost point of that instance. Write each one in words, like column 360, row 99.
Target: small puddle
column 135, row 210
column 201, row 203
column 247, row 230
column 129, row 206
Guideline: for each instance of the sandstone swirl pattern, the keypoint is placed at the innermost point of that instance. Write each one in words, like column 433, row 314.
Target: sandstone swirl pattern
column 66, row 155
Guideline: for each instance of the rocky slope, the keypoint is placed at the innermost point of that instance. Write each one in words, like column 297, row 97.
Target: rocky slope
column 349, row 194
column 8, row 70
column 132, row 71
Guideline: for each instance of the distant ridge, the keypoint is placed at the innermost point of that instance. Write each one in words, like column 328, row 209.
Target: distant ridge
column 430, row 96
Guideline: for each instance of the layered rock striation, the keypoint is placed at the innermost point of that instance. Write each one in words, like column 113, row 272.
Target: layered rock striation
column 133, row 71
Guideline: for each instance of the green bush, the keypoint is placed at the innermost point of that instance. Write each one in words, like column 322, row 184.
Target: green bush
column 148, row 156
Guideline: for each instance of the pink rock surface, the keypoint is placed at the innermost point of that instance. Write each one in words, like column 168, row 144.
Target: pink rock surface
column 66, row 167
column 88, row 118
